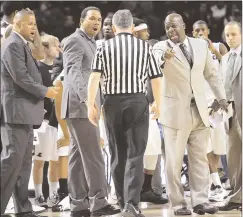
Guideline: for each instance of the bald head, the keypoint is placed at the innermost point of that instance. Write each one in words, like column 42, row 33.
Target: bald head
column 175, row 28
column 25, row 24
column 174, row 17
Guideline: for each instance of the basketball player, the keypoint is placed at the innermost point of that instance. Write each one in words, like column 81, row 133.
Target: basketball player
column 217, row 140
column 46, row 150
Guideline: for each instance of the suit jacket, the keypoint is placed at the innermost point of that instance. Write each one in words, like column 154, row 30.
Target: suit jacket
column 237, row 82
column 22, row 92
column 78, row 54
column 180, row 80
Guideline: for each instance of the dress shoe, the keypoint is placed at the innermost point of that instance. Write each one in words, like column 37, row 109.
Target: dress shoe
column 107, row 210
column 81, row 213
column 182, row 211
column 28, row 214
column 230, row 206
column 131, row 211
column 152, row 197
column 203, row 208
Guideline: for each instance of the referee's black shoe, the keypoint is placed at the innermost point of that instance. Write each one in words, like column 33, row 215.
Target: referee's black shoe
column 107, row 210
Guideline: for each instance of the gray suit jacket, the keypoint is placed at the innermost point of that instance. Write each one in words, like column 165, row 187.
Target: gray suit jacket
column 237, row 82
column 179, row 81
column 78, row 54
column 22, row 92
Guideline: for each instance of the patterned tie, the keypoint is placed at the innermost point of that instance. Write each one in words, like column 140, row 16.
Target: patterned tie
column 186, row 54
column 28, row 47
column 230, row 68
column 229, row 75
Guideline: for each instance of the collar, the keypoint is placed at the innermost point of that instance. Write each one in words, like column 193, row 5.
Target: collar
column 25, row 41
column 236, row 50
column 124, row 33
column 186, row 42
column 90, row 38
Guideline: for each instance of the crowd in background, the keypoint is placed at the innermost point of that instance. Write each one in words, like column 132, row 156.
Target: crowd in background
column 61, row 18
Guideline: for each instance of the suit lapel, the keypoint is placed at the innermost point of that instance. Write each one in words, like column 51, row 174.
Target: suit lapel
column 237, row 67
column 28, row 49
column 195, row 50
column 91, row 42
column 178, row 52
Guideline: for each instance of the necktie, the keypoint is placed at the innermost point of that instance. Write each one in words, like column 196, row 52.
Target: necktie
column 186, row 54
column 28, row 47
column 230, row 68
column 229, row 75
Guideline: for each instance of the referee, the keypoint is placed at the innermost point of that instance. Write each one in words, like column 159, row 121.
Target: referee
column 125, row 63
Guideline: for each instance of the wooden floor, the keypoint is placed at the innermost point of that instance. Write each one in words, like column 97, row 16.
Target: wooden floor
column 150, row 210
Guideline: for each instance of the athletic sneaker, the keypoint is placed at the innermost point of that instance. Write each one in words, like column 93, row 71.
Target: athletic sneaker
column 63, row 205
column 40, row 201
column 53, row 200
column 218, row 194
column 131, row 211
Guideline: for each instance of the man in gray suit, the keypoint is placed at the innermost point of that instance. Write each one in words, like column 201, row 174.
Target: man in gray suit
column 86, row 170
column 231, row 68
column 186, row 63
column 22, row 105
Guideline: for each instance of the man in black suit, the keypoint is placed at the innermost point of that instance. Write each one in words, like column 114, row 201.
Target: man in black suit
column 22, row 108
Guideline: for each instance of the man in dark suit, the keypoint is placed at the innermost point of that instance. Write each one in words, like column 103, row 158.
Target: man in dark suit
column 22, row 105
column 86, row 169
column 231, row 69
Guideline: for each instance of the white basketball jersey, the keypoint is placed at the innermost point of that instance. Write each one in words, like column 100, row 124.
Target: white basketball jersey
column 209, row 93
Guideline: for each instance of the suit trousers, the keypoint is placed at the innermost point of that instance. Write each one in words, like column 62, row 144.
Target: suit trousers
column 127, row 120
column 196, row 135
column 87, row 184
column 16, row 161
column 235, row 160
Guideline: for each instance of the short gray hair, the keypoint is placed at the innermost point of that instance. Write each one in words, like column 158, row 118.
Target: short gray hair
column 122, row 19
column 231, row 23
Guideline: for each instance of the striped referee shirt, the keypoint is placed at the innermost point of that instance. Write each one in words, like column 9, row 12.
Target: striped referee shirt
column 125, row 63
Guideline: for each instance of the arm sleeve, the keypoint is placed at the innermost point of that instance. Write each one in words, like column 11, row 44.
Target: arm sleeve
column 154, row 70
column 72, row 61
column 97, row 63
column 14, row 61
column 158, row 54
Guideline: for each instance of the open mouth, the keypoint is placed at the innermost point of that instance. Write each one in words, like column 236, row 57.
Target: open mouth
column 95, row 29
column 173, row 36
column 32, row 34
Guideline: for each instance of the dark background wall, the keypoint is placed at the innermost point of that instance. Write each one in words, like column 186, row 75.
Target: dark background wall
column 61, row 18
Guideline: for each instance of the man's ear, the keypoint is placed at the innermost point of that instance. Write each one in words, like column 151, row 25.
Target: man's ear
column 132, row 27
column 113, row 29
column 208, row 31
column 184, row 26
column 81, row 21
column 135, row 33
column 193, row 33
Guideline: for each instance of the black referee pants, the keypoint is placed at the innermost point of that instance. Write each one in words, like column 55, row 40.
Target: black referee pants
column 127, row 121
